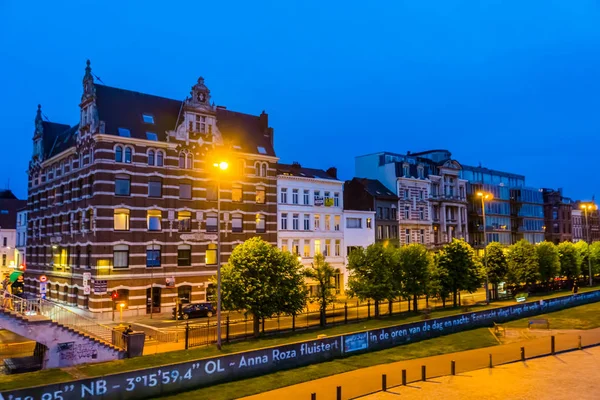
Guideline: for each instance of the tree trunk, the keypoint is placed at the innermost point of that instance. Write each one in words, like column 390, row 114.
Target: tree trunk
column 256, row 325
column 495, row 289
column 376, row 308
column 443, row 301
column 454, row 298
column 415, row 302
column 322, row 316
column 427, row 301
column 408, row 301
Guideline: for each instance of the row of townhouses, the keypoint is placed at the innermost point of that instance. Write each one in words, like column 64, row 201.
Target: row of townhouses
column 138, row 195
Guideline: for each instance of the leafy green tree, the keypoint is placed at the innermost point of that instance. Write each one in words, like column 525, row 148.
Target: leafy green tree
column 414, row 262
column 372, row 274
column 582, row 248
column 595, row 257
column 457, row 269
column 497, row 266
column 262, row 280
column 522, row 263
column 438, row 285
column 570, row 260
column 548, row 261
column 324, row 275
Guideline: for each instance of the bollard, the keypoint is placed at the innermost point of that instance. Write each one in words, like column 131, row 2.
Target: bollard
column 491, row 364
column 452, row 367
column 313, row 396
column 338, row 393
column 580, row 347
column 423, row 373
column 552, row 343
column 383, row 382
column 403, row 377
column 522, row 353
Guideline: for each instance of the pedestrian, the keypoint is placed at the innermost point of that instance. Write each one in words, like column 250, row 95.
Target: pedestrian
column 128, row 330
column 6, row 300
column 575, row 288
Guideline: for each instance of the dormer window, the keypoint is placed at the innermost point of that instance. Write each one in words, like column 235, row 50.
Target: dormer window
column 261, row 150
column 200, row 124
column 405, row 170
column 151, row 136
column 124, row 132
column 148, row 118
column 421, row 171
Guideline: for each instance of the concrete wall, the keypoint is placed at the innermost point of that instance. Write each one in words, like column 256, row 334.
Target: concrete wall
column 65, row 348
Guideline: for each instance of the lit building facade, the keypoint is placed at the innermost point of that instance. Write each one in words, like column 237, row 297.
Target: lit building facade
column 578, row 225
column 21, row 244
column 557, row 216
column 128, row 198
column 9, row 206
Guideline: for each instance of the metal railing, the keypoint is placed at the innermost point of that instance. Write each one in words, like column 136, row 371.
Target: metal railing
column 61, row 316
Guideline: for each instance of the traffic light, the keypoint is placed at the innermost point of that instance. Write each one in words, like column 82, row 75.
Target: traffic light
column 114, row 295
column 22, row 267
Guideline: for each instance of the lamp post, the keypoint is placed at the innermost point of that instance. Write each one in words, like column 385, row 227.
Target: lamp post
column 485, row 196
column 588, row 207
column 222, row 166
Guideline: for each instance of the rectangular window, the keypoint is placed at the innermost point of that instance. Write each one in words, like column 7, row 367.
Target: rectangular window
column 121, row 219
column 408, row 236
column 336, row 199
column 260, row 196
column 387, row 232
column 184, row 256
column 369, row 223
column 379, row 212
column 260, row 223
column 284, row 221
column 4, row 241
column 338, row 247
column 4, row 260
column 284, row 246
column 336, row 222
column 295, row 195
column 236, row 193
column 120, row 256
column 154, row 188
column 237, row 223
column 122, row 185
column 185, row 191
column 184, row 218
column 328, row 222
column 317, row 200
column 317, row 246
column 406, row 194
column 421, row 213
column 406, row 212
column 154, row 220
column 306, row 197
column 211, row 192
column 393, row 214
column 296, row 247
column 211, row 223
column 153, row 256
column 317, row 221
column 211, row 254
column 354, row 223
column 306, row 251
column 327, row 250
column 379, row 232
column 394, row 232
column 295, row 222
column 422, row 235
column 307, row 222
column 283, row 196
column 386, row 213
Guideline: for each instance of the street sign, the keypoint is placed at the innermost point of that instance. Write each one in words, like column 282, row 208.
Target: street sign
column 43, row 278
column 100, row 287
column 86, row 290
column 43, row 289
column 170, row 282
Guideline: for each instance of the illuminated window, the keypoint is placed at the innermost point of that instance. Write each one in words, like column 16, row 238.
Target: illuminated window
column 154, row 220
column 120, row 256
column 317, row 221
column 338, row 246
column 211, row 192
column 296, row 247
column 306, row 252
column 211, row 254
column 327, row 250
column 236, row 193
column 284, row 246
column 317, row 246
column 328, row 222
column 241, row 167
column 369, row 223
column 121, row 219
column 260, row 223
column 260, row 195
column 184, row 218
column 336, row 222
column 153, row 255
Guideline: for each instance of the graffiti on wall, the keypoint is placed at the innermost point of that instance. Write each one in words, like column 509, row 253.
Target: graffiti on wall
column 71, row 351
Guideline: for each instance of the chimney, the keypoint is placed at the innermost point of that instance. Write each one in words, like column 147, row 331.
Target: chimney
column 296, row 165
column 263, row 120
column 221, row 108
column 332, row 172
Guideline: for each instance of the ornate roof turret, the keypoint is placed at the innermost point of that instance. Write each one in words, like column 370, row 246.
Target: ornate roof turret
column 200, row 93
column 88, row 82
column 39, row 129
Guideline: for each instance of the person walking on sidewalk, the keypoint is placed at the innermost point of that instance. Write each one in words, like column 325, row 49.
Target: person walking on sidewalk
column 6, row 300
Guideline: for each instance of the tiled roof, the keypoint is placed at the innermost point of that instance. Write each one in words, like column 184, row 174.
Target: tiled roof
column 63, row 141
column 298, row 170
column 376, row 188
column 120, row 108
column 52, row 131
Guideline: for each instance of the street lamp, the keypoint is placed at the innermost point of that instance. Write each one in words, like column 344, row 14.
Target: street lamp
column 588, row 207
column 485, row 197
column 221, row 166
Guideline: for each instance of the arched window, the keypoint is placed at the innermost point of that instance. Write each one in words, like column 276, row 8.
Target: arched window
column 151, row 157
column 190, row 161
column 159, row 158
column 181, row 160
column 128, row 154
column 118, row 154
column 263, row 169
column 257, row 169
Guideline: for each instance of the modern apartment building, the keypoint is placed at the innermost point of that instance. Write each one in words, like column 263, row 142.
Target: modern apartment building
column 132, row 197
column 557, row 216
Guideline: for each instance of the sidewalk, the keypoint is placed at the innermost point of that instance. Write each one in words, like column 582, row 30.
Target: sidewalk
column 368, row 380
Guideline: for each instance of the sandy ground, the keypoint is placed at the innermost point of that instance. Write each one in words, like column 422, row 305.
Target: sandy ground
column 574, row 375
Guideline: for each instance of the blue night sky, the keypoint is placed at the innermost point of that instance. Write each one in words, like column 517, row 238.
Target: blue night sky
column 511, row 84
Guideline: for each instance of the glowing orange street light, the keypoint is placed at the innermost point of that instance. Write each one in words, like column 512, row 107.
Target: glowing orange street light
column 485, row 197
column 222, row 165
column 588, row 207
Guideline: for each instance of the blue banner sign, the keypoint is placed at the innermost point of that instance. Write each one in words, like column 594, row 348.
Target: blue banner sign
column 170, row 379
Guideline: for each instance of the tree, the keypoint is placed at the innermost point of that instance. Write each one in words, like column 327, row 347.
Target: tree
column 582, row 249
column 458, row 269
column 262, row 280
column 595, row 257
column 372, row 274
column 324, row 275
column 523, row 264
column 414, row 262
column 570, row 260
column 497, row 267
column 548, row 261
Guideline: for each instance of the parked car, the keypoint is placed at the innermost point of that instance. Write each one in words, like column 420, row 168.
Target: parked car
column 197, row 310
